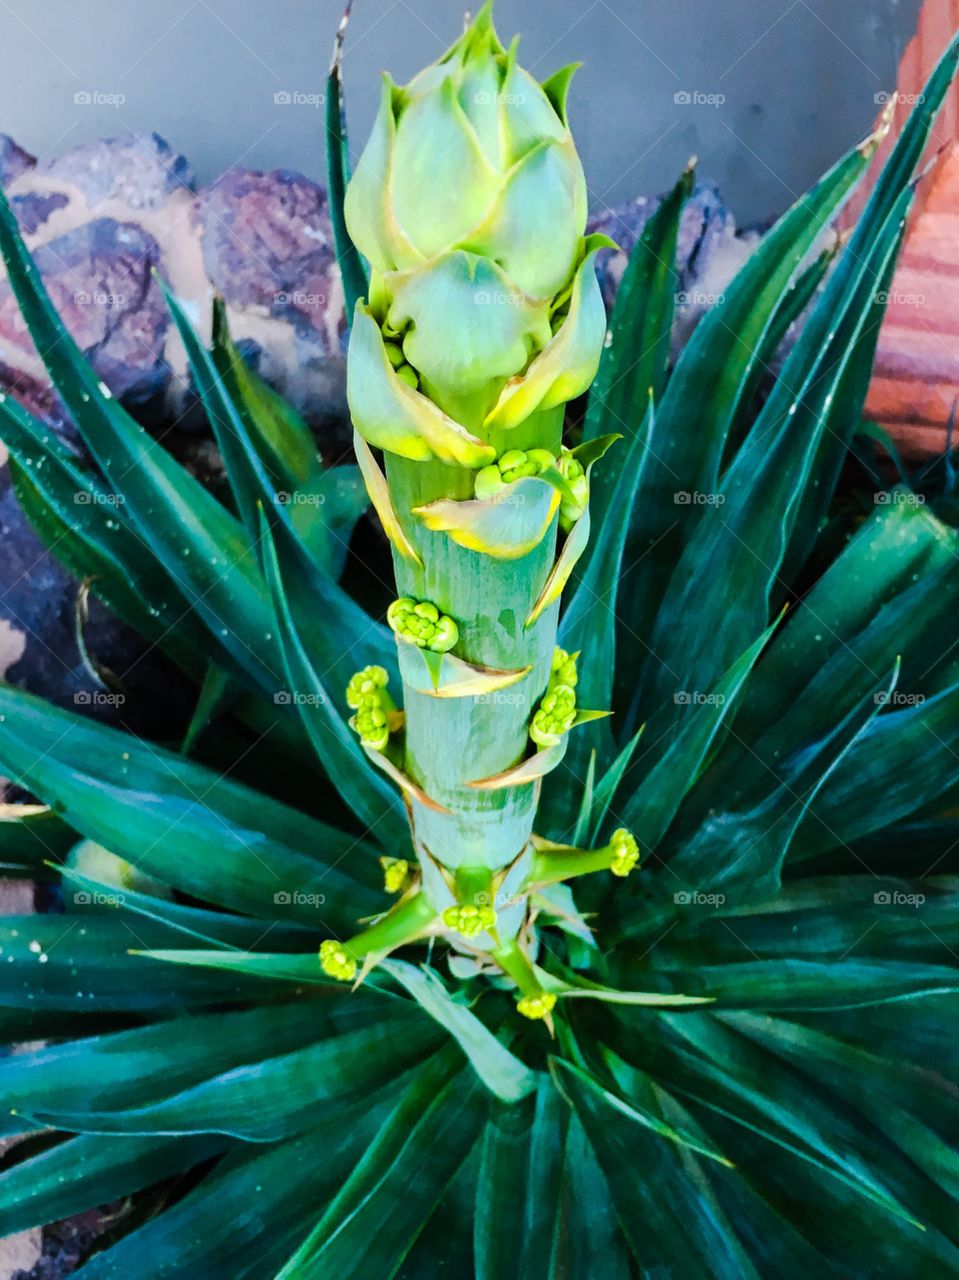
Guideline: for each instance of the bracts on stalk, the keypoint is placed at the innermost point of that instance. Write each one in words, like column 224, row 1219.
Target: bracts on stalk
column 484, row 318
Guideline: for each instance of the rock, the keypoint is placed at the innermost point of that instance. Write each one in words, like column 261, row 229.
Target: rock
column 102, row 216
column 709, row 251
column 99, row 277
column 64, row 1245
column 13, row 160
column 268, row 249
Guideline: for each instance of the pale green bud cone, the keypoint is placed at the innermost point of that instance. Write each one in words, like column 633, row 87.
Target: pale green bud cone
column 473, row 153
column 470, row 202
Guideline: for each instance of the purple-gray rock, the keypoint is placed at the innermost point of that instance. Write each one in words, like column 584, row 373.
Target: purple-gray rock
column 709, row 251
column 13, row 160
column 268, row 249
column 139, row 170
column 99, row 277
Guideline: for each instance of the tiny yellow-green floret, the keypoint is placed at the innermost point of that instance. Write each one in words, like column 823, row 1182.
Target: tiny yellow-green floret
column 564, row 668
column 395, row 873
column 469, row 920
column 366, row 682
column 625, row 852
column 536, row 1007
column 422, row 624
column 336, row 961
column 572, row 507
column 513, row 465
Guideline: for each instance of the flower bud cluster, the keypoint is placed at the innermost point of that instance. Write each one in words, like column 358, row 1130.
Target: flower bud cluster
column 557, row 710
column 419, row 622
column 374, row 708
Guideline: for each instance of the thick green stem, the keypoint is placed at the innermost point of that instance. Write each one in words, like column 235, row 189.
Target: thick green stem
column 451, row 742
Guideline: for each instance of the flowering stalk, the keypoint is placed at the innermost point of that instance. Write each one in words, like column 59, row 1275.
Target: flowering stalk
column 484, row 318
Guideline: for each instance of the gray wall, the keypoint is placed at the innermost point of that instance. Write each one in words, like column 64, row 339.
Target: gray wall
column 799, row 79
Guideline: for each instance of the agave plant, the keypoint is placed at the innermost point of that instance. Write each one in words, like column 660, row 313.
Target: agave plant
column 606, row 937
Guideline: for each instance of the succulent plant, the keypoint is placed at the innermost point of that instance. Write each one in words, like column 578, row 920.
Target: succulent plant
column 511, row 938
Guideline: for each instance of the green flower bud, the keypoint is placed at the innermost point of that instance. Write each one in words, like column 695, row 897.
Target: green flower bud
column 371, row 680
column 419, row 622
column 374, row 708
column 625, row 852
column 406, row 373
column 564, row 668
column 336, row 961
column 395, row 354
column 473, row 153
column 537, row 1006
column 555, row 715
column 470, row 202
column 396, row 874
column 574, row 474
column 469, row 920
column 513, row 465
